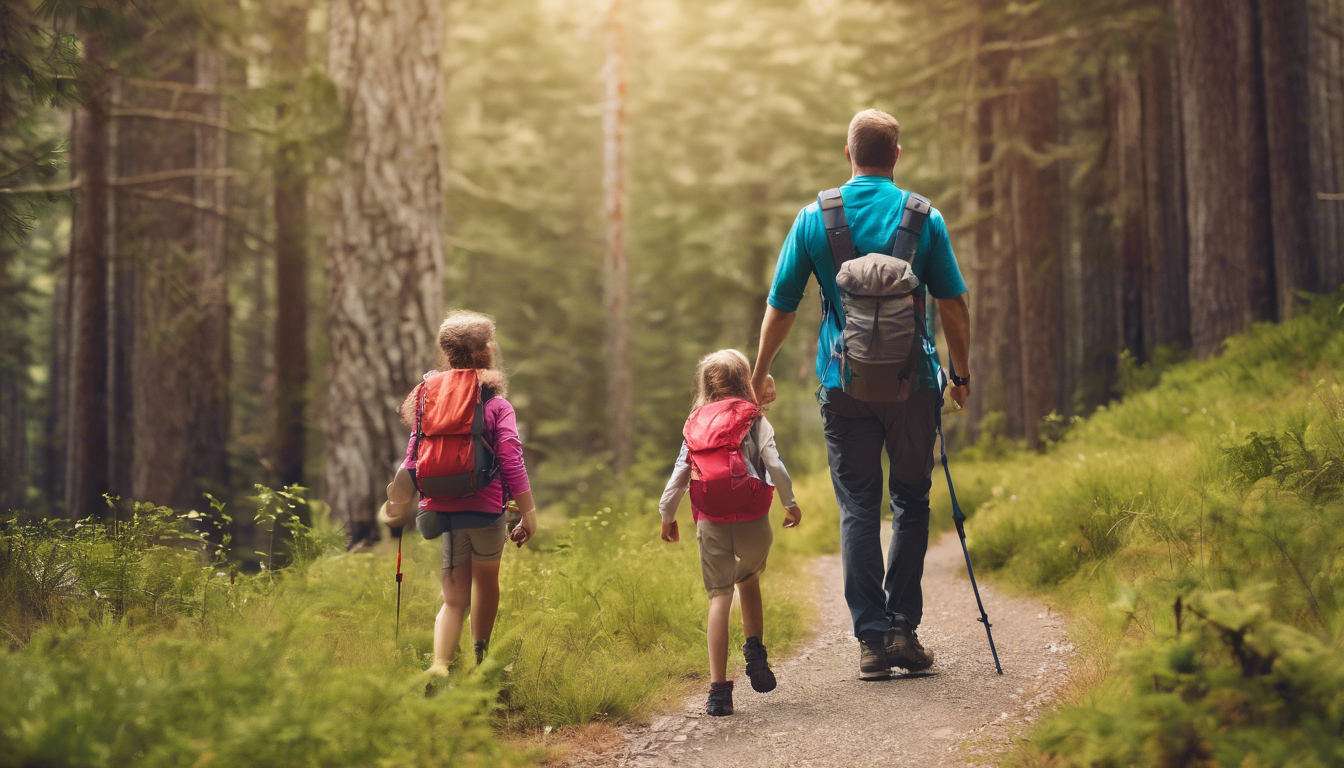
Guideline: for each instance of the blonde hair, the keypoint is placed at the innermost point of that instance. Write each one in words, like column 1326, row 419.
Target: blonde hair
column 466, row 340
column 722, row 375
column 873, row 138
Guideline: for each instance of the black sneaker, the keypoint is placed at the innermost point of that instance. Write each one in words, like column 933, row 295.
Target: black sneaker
column 758, row 669
column 873, row 662
column 720, row 702
column 481, row 647
column 905, row 650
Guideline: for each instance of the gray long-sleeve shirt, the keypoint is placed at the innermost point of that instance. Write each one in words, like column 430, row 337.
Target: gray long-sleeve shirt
column 763, row 463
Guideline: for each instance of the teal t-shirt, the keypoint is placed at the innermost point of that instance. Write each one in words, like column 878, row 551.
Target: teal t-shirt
column 873, row 206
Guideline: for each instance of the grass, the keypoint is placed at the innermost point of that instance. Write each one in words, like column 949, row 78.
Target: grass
column 138, row 644
column 1197, row 530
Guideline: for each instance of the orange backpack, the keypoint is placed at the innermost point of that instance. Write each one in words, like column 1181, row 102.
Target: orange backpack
column 453, row 458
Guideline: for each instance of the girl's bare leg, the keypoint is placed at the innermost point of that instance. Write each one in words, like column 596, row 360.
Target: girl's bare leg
column 753, row 616
column 448, row 624
column 484, row 599
column 719, row 609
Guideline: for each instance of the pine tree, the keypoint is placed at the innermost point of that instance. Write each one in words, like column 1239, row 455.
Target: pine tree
column 384, row 243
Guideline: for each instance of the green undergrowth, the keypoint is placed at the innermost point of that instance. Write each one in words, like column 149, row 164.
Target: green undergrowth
column 138, row 644
column 1197, row 529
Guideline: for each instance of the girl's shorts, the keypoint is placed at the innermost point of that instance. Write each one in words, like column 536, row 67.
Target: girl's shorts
column 731, row 553
column 469, row 545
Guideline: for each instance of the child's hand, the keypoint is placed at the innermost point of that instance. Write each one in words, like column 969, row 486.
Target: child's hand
column 527, row 526
column 792, row 516
column 671, row 533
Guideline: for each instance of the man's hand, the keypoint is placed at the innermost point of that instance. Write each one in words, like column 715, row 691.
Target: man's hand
column 959, row 394
column 670, row 532
column 526, row 527
column 764, row 389
column 792, row 516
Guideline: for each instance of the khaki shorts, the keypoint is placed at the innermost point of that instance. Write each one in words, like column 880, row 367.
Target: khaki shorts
column 731, row 553
column 474, row 545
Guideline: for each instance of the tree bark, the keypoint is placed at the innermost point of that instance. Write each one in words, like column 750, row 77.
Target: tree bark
column 56, row 412
column 1097, row 305
column 180, row 358
column 121, row 335
column 1222, row 102
column 996, row 361
column 1166, row 285
column 1036, row 210
column 291, row 265
column 617, row 285
column 385, row 243
column 86, row 475
column 1284, row 34
column 1127, row 142
column 1326, row 83
column 14, row 359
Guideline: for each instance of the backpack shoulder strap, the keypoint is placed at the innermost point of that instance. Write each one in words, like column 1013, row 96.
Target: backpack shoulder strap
column 837, row 227
column 911, row 227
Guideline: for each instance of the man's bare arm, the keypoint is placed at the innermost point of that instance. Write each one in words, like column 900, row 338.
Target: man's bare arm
column 774, row 330
column 956, row 315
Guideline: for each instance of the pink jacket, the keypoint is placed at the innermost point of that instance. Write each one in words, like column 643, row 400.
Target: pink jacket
column 501, row 423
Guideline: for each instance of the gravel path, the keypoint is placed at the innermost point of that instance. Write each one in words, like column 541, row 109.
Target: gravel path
column 960, row 713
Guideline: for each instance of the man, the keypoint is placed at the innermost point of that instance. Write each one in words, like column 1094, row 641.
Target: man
column 886, row 605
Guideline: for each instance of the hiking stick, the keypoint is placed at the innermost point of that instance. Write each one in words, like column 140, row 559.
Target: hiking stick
column 399, row 539
column 959, row 518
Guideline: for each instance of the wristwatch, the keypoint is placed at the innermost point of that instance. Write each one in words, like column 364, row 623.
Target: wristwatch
column 960, row 381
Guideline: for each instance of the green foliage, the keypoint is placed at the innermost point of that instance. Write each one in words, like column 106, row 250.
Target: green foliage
column 1216, row 488
column 1235, row 689
column 135, row 643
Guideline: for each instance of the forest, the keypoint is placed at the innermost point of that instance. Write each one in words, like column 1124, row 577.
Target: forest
column 230, row 229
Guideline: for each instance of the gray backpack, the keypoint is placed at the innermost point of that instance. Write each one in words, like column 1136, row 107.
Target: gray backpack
column 881, row 347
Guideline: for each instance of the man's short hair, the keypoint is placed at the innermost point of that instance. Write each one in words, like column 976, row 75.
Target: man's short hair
column 873, row 138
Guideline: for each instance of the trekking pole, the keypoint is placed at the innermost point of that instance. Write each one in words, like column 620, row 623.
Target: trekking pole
column 959, row 518
column 398, row 635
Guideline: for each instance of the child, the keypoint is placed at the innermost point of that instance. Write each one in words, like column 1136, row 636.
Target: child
column 472, row 526
column 729, row 462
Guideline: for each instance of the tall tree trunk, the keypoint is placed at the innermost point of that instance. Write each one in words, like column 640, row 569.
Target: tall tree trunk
column 1222, row 100
column 1284, row 34
column 56, row 410
column 86, row 476
column 291, row 264
column 1166, row 285
column 14, row 359
column 121, row 338
column 1326, row 83
column 177, row 238
column 617, row 270
column 1127, row 143
column 995, row 359
column 1097, row 302
column 1036, row 212
column 385, row 243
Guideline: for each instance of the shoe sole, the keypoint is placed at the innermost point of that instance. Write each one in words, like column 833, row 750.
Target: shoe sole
column 909, row 667
column 875, row 676
column 763, row 682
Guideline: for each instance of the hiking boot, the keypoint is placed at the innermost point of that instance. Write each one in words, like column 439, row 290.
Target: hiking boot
column 758, row 669
column 720, row 702
column 905, row 650
column 873, row 663
column 481, row 647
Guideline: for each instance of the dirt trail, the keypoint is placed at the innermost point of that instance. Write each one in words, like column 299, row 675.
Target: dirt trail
column 958, row 714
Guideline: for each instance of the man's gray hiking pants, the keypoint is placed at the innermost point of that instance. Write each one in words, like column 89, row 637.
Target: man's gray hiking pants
column 856, row 434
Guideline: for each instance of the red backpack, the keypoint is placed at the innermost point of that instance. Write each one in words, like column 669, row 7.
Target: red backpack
column 453, row 458
column 722, row 489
